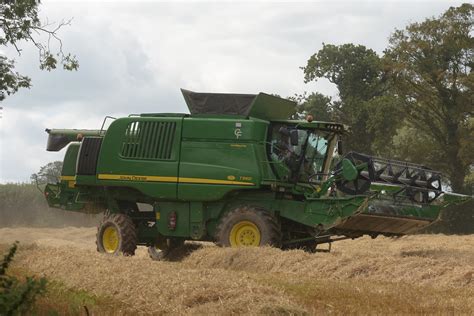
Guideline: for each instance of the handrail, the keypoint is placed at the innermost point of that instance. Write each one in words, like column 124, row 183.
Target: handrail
column 105, row 119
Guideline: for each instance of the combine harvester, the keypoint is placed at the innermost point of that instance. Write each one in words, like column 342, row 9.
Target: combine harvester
column 238, row 172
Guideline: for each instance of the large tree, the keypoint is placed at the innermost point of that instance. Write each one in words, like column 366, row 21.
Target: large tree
column 20, row 22
column 360, row 78
column 49, row 173
column 430, row 63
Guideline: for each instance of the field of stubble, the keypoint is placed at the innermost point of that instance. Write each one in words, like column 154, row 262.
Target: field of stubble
column 414, row 274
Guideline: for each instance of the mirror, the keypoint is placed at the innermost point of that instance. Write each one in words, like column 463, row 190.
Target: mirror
column 294, row 137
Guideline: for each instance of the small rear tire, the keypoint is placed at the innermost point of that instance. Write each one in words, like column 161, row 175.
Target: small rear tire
column 248, row 226
column 163, row 248
column 117, row 234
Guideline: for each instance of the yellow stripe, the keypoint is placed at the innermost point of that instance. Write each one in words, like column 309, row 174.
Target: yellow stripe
column 68, row 178
column 168, row 179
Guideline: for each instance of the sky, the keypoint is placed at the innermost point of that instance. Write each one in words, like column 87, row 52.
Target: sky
column 135, row 56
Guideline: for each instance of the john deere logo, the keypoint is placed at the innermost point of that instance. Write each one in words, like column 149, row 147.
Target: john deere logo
column 231, row 178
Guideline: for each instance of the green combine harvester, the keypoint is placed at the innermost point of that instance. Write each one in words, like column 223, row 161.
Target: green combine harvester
column 238, row 172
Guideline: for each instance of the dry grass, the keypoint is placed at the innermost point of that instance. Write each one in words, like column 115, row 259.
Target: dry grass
column 414, row 274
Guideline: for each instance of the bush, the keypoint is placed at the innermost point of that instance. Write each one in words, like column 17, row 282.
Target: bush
column 17, row 297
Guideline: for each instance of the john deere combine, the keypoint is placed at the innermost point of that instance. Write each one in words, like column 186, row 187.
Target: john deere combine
column 237, row 172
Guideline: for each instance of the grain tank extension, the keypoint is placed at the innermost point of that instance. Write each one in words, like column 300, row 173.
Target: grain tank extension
column 238, row 172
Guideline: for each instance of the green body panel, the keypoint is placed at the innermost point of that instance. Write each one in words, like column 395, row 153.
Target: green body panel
column 70, row 159
column 326, row 212
column 220, row 160
column 155, row 177
column 163, row 212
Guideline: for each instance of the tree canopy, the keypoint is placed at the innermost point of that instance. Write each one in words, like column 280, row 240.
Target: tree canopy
column 430, row 63
column 360, row 77
column 49, row 173
column 20, row 22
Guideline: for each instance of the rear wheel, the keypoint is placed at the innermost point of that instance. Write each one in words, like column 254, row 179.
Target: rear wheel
column 117, row 234
column 163, row 248
column 248, row 226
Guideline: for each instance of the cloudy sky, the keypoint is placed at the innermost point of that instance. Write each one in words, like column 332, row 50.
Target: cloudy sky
column 134, row 57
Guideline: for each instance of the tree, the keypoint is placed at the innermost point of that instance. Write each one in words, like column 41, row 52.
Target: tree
column 19, row 22
column 355, row 70
column 316, row 104
column 430, row 63
column 49, row 173
column 361, row 80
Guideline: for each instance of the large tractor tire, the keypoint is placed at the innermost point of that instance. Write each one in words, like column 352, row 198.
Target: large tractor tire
column 164, row 247
column 117, row 234
column 248, row 226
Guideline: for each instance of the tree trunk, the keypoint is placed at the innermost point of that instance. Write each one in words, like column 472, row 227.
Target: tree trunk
column 458, row 170
column 458, row 176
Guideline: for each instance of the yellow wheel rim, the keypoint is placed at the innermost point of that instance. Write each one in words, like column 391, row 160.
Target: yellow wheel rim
column 110, row 239
column 244, row 233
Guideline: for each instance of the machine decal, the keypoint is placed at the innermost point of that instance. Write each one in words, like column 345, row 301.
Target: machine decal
column 238, row 133
column 169, row 179
column 136, row 178
column 246, row 178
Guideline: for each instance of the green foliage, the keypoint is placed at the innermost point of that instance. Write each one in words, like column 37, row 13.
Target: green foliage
column 49, row 173
column 17, row 297
column 19, row 22
column 384, row 118
column 10, row 80
column 316, row 104
column 360, row 78
column 430, row 63
column 355, row 70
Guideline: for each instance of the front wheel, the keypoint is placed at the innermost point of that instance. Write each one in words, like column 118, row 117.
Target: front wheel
column 248, row 226
column 117, row 234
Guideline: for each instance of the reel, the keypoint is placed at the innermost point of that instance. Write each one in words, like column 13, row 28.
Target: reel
column 417, row 183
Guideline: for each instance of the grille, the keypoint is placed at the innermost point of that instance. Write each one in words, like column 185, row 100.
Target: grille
column 89, row 152
column 149, row 140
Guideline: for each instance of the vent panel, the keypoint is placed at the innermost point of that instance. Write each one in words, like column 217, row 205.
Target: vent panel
column 149, row 140
column 88, row 155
